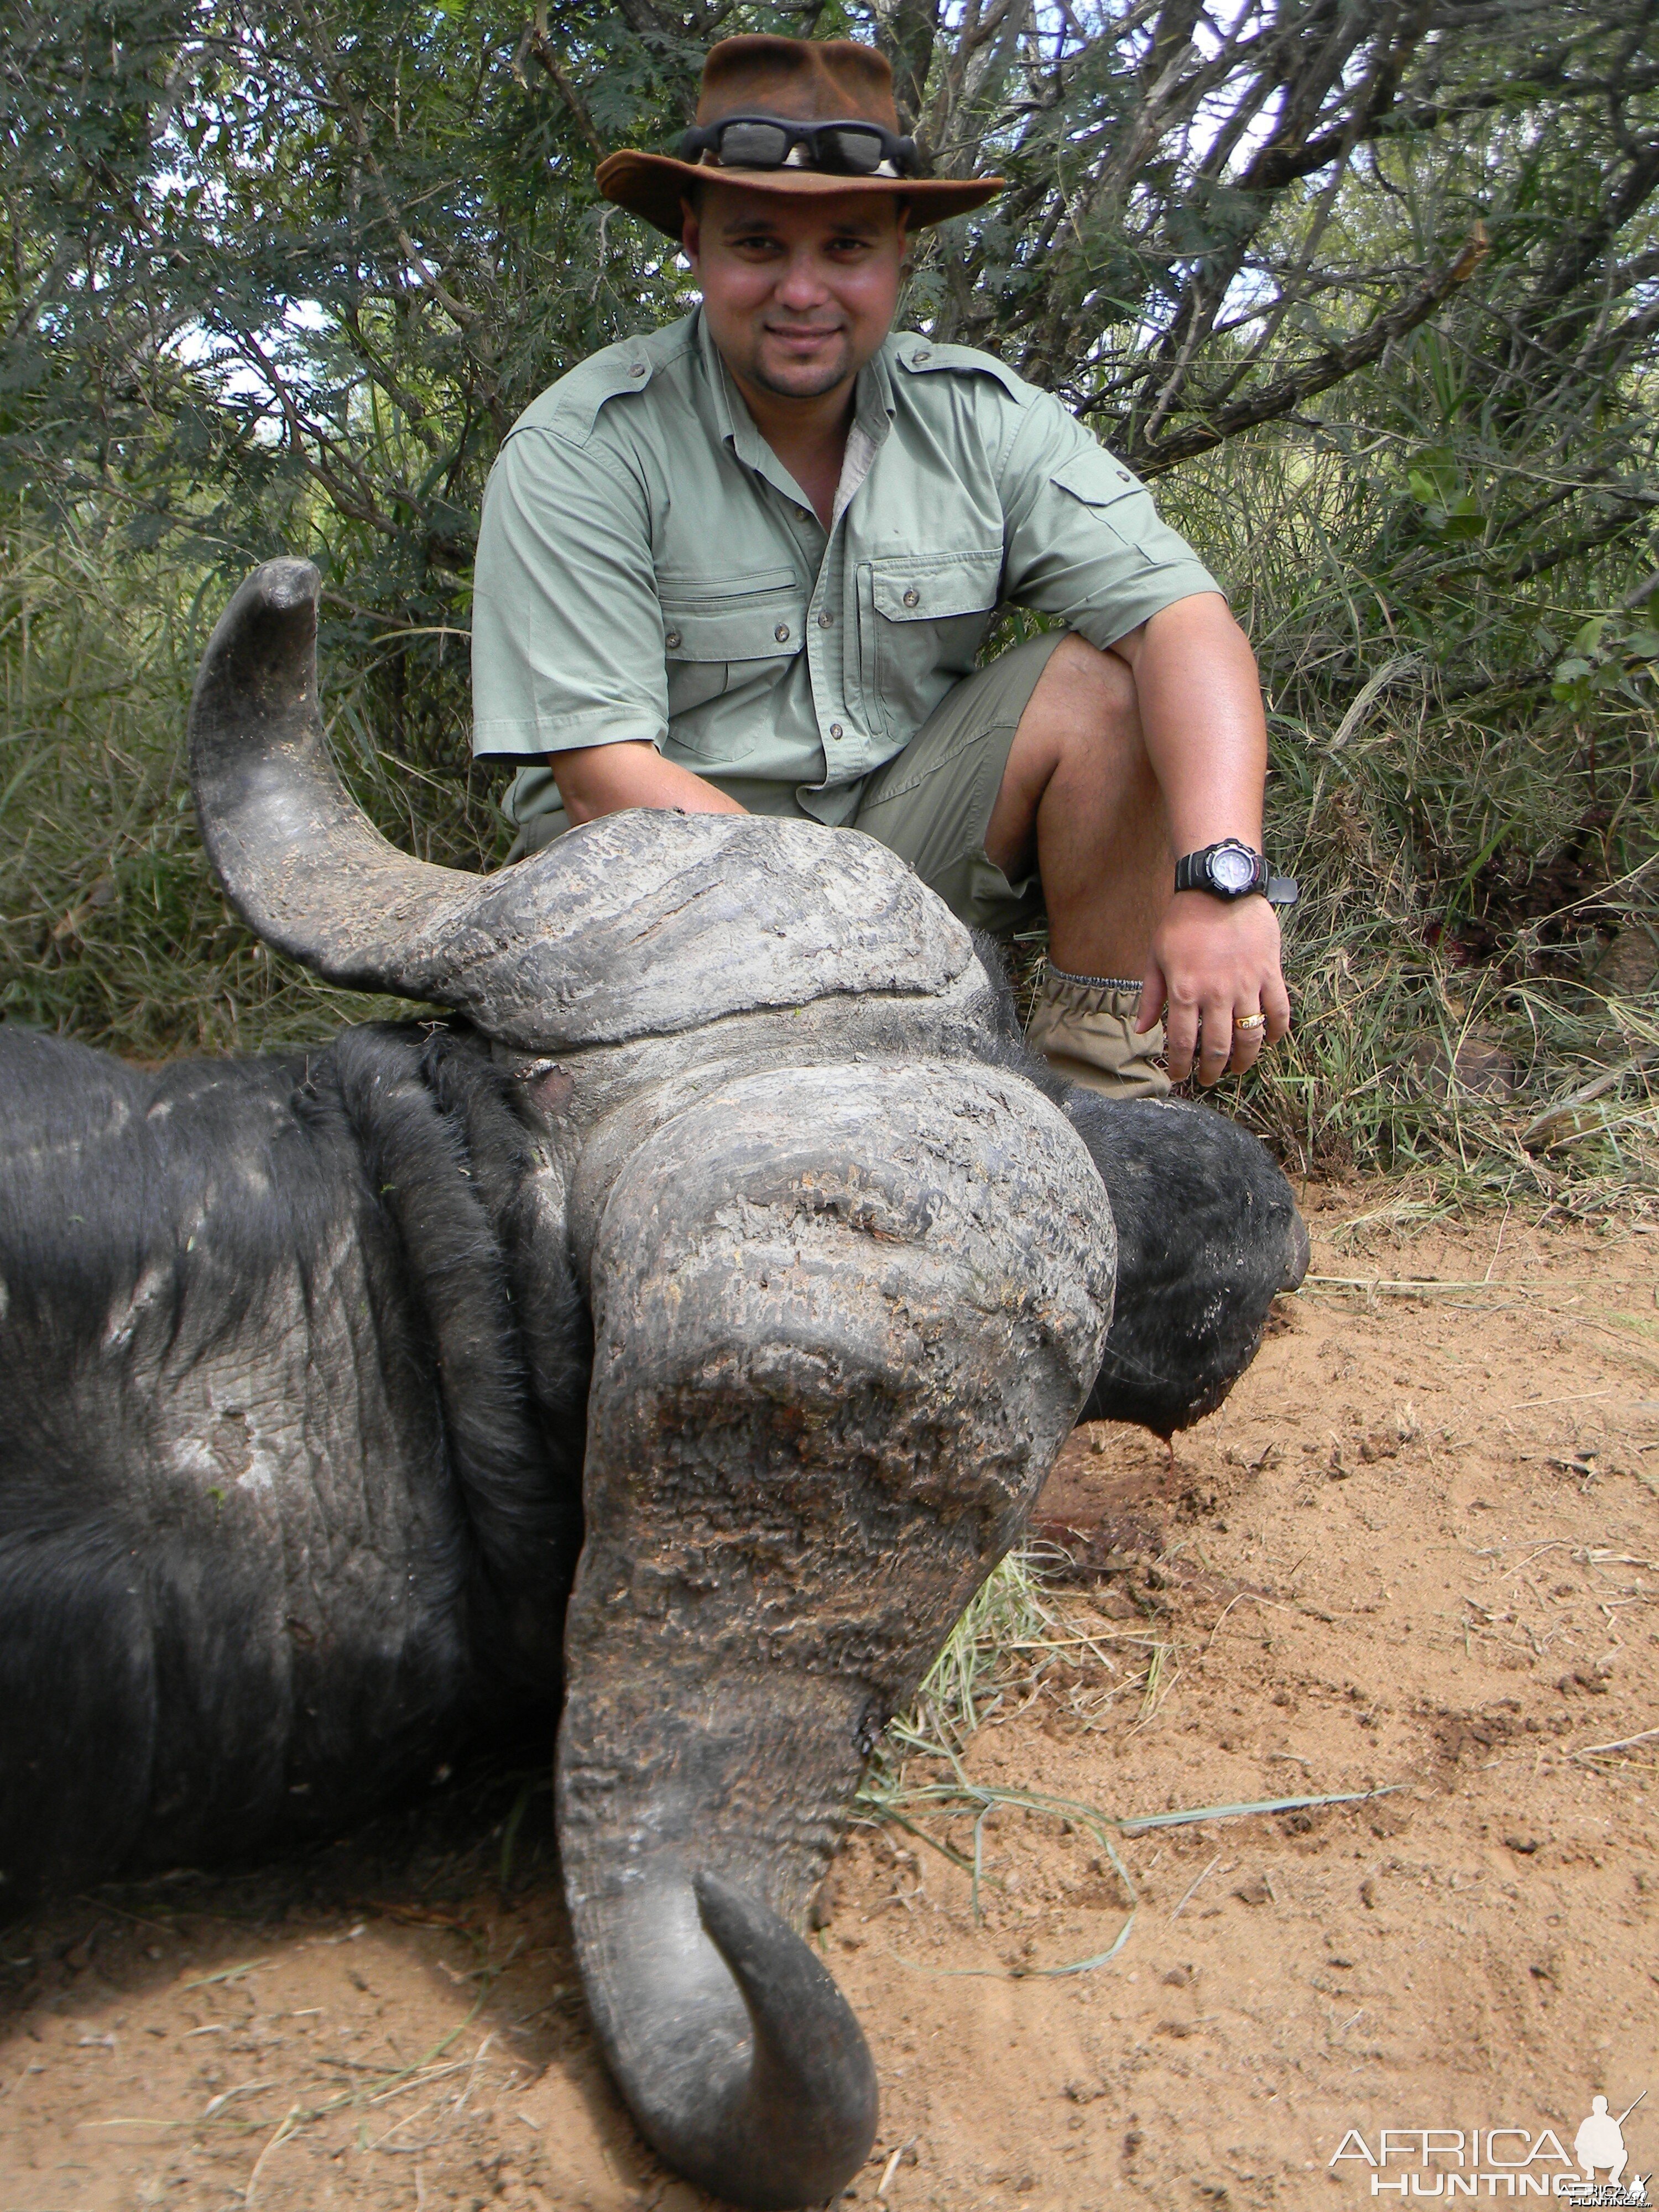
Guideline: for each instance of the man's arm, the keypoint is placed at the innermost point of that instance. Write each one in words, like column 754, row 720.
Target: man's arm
column 568, row 646
column 595, row 779
column 1205, row 735
column 568, row 631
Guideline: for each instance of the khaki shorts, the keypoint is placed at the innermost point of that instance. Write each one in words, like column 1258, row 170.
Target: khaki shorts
column 931, row 804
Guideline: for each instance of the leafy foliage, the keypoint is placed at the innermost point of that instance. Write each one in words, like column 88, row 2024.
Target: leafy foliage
column 292, row 273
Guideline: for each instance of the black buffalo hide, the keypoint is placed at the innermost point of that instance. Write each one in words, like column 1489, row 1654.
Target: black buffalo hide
column 190, row 1669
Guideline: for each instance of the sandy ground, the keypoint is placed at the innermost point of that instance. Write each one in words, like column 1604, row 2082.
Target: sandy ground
column 1417, row 1552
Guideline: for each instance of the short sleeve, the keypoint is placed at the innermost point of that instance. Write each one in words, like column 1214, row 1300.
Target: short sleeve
column 1083, row 537
column 566, row 628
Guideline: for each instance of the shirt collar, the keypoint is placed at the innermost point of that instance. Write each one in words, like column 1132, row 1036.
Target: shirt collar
column 873, row 402
column 733, row 421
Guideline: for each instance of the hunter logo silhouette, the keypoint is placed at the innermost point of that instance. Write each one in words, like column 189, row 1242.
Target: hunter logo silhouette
column 1599, row 2147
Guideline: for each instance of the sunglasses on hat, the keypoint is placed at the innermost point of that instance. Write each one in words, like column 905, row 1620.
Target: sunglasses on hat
column 770, row 142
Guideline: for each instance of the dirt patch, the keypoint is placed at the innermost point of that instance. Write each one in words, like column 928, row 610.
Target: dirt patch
column 1415, row 1553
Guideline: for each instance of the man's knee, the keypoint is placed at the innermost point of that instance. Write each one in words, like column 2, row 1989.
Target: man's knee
column 1084, row 696
column 1080, row 734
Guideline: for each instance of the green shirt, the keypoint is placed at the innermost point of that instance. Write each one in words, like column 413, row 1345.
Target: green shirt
column 648, row 569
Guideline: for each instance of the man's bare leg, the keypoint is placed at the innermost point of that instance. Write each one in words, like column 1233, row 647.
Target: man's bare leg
column 1079, row 788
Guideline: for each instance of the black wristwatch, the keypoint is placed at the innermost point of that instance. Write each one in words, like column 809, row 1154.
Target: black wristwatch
column 1233, row 870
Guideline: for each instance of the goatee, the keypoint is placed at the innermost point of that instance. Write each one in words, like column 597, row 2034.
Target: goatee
column 826, row 381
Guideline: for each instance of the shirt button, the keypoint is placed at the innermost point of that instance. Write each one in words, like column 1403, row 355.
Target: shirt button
column 637, row 369
column 913, row 596
column 922, row 353
column 672, row 639
column 837, row 730
column 781, row 632
column 826, row 622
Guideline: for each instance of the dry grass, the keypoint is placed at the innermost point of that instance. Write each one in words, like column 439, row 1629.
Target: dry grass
column 1478, row 936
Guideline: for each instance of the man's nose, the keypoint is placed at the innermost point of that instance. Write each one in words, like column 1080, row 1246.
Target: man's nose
column 802, row 284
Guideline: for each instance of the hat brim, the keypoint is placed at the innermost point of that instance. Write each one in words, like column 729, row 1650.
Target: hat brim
column 652, row 185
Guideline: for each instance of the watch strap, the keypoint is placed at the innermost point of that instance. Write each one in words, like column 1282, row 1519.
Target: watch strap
column 1192, row 874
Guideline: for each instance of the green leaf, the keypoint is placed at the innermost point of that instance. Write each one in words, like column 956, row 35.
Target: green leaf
column 1464, row 518
column 1434, row 474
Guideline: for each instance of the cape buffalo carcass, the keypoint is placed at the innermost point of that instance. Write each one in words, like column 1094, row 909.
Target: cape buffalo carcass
column 684, row 1328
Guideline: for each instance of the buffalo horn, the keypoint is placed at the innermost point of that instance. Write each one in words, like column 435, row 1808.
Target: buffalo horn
column 302, row 864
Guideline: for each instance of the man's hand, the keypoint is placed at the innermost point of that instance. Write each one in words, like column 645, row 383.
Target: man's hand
column 1212, row 960
column 595, row 779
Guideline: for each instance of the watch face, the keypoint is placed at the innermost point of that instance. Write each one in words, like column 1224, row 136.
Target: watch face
column 1231, row 870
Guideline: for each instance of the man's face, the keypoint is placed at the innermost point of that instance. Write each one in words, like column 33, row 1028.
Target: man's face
column 799, row 293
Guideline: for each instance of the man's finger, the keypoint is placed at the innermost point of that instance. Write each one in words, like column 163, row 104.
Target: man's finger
column 1217, row 1041
column 1246, row 1042
column 1154, row 993
column 1180, row 1037
column 1276, row 1005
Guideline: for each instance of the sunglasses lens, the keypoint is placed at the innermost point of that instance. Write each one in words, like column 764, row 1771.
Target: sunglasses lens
column 753, row 146
column 859, row 151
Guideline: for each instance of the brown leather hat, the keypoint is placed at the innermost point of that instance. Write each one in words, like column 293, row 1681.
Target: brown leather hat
column 801, row 81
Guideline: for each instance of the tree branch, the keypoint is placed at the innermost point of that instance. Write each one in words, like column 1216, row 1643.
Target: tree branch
column 1615, row 527
column 1337, row 362
column 536, row 41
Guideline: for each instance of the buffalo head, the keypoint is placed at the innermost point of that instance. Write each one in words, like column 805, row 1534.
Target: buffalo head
column 850, row 1275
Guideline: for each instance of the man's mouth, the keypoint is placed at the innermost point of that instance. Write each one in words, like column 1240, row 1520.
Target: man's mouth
column 789, row 335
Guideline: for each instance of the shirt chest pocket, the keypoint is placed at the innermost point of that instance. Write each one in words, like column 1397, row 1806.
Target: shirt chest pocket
column 922, row 618
column 718, row 637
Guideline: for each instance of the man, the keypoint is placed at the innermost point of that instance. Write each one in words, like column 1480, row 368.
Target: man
column 747, row 562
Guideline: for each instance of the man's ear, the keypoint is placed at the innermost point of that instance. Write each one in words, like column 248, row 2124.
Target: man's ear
column 690, row 231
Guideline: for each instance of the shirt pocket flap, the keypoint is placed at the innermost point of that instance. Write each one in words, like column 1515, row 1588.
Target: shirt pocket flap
column 1096, row 478
column 756, row 617
column 932, row 587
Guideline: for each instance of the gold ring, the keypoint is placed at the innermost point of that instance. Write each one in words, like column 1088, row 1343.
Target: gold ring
column 1249, row 1021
